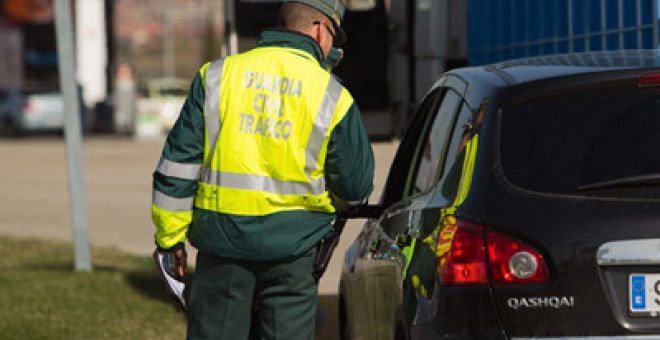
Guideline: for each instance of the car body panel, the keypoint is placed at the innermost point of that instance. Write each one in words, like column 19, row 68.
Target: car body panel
column 43, row 111
column 10, row 108
column 31, row 111
column 569, row 232
column 168, row 96
column 363, row 276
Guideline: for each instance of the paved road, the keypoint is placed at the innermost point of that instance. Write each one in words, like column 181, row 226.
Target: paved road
column 34, row 201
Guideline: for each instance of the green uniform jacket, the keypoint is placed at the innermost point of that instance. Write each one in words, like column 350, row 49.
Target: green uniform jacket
column 280, row 236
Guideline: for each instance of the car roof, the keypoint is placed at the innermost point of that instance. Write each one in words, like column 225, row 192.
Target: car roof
column 519, row 71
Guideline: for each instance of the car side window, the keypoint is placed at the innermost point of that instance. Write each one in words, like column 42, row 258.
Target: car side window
column 401, row 165
column 432, row 149
column 451, row 173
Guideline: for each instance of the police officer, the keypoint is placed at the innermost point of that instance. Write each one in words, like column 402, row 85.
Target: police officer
column 263, row 139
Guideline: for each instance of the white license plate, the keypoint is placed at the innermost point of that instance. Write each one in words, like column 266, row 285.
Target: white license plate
column 644, row 294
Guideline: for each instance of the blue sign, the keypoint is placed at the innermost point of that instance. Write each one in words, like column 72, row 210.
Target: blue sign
column 637, row 292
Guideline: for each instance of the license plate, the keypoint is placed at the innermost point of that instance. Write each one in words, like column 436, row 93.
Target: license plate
column 644, row 294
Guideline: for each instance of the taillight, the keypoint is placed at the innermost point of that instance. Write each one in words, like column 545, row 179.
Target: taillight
column 461, row 253
column 513, row 262
column 464, row 258
column 27, row 106
column 649, row 80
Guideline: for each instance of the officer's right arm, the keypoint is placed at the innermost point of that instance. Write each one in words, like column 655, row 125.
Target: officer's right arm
column 175, row 178
column 349, row 162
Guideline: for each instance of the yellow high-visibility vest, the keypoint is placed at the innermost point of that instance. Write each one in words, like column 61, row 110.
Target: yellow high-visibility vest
column 268, row 115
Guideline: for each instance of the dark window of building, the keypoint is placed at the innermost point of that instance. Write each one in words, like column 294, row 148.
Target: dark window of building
column 548, row 48
column 561, row 28
column 517, row 23
column 647, row 11
column 595, row 43
column 612, row 41
column 579, row 16
column 594, row 16
column 630, row 40
column 612, row 14
column 647, row 38
column 534, row 50
column 546, row 15
column 533, row 26
column 629, row 13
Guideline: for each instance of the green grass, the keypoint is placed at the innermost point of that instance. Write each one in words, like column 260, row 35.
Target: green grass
column 41, row 297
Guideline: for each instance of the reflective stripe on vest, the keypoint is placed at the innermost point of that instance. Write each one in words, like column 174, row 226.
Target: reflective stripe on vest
column 262, row 183
column 170, row 203
column 211, row 104
column 265, row 184
column 179, row 170
column 321, row 125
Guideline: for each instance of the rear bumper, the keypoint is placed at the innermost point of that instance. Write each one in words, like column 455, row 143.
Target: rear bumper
column 457, row 313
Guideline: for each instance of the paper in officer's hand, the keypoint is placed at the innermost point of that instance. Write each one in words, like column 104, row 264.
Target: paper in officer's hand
column 166, row 265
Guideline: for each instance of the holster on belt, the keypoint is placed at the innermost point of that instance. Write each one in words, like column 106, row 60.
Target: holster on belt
column 327, row 247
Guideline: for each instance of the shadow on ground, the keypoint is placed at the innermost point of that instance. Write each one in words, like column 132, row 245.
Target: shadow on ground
column 152, row 286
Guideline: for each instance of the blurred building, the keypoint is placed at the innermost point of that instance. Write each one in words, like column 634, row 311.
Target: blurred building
column 166, row 38
column 506, row 29
column 157, row 38
column 27, row 42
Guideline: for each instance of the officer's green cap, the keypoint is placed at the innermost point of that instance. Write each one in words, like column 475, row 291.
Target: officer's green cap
column 334, row 10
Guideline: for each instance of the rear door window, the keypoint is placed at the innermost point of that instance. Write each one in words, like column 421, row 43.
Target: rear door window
column 433, row 146
column 587, row 141
column 394, row 189
column 453, row 166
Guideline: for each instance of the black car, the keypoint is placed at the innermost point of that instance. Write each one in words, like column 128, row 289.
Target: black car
column 523, row 203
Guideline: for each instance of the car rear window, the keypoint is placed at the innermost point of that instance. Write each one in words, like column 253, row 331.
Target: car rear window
column 584, row 142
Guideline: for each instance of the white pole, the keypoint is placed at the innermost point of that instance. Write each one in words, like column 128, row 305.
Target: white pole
column 72, row 133
column 91, row 50
column 231, row 39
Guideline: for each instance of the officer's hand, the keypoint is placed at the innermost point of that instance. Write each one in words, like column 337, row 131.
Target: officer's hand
column 181, row 256
column 174, row 260
column 347, row 208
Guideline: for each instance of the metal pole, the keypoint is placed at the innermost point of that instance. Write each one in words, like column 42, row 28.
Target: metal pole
column 168, row 40
column 78, row 201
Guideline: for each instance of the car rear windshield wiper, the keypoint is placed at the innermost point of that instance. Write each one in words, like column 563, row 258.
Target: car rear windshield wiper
column 653, row 179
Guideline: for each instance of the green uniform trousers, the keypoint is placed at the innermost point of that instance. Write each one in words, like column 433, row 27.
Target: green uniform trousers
column 226, row 294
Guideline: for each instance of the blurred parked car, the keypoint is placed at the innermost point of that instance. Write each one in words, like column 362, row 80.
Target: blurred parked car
column 523, row 203
column 168, row 95
column 25, row 111
column 10, row 108
column 31, row 111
